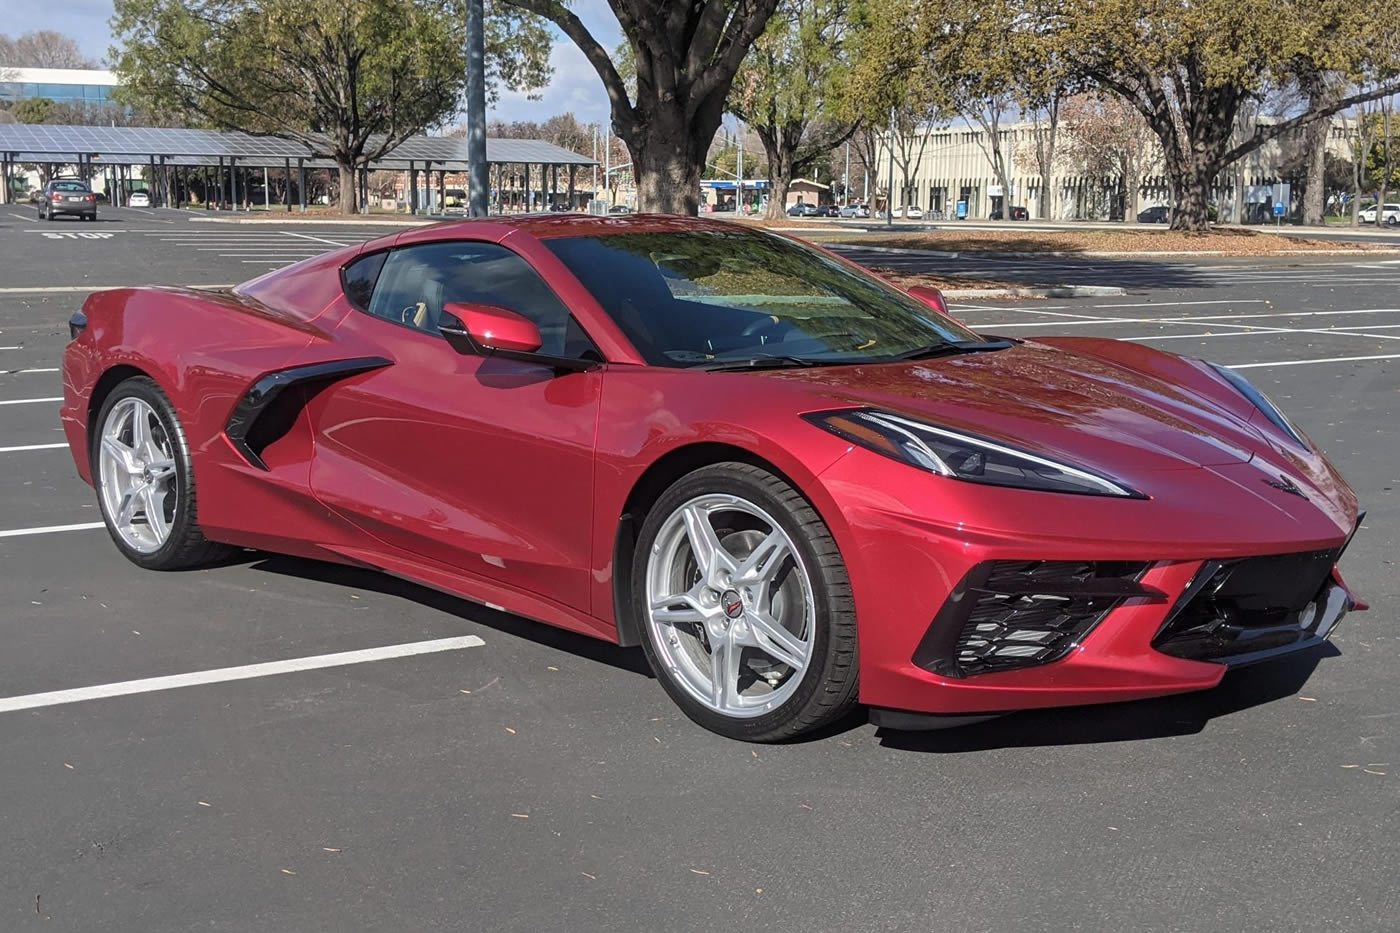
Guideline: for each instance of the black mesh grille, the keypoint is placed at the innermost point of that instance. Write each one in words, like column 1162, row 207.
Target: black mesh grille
column 1012, row 614
column 1241, row 606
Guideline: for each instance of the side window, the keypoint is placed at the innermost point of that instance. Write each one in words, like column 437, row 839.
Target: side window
column 417, row 281
column 359, row 277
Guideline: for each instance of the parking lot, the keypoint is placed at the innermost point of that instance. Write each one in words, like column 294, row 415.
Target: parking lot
column 522, row 778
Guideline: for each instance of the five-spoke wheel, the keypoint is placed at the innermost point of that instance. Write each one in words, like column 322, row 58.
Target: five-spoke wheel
column 145, row 482
column 745, row 605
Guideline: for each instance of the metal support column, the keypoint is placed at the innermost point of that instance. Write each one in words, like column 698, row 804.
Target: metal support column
column 233, row 183
column 526, row 167
column 412, row 188
column 553, row 198
column 572, row 170
column 301, row 182
column 442, row 189
column 287, row 184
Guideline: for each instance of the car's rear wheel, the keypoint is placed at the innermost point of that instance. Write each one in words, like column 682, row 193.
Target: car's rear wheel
column 745, row 605
column 145, row 483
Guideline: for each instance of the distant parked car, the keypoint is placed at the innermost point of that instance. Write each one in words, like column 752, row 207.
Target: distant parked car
column 619, row 209
column 138, row 199
column 1155, row 215
column 68, row 196
column 828, row 210
column 854, row 210
column 802, row 209
column 1392, row 215
column 1020, row 213
column 454, row 197
column 724, row 207
column 913, row 212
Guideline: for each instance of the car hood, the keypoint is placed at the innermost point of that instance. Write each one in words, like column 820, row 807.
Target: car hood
column 1085, row 409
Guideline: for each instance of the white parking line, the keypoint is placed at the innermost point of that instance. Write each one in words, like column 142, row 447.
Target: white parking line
column 11, row 450
column 16, row 372
column 23, row 217
column 1182, row 304
column 53, row 289
column 242, row 672
column 48, row 529
column 307, row 236
column 1330, row 359
column 30, row 401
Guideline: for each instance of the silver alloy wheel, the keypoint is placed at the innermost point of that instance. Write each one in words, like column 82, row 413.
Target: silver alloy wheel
column 136, row 475
column 730, row 607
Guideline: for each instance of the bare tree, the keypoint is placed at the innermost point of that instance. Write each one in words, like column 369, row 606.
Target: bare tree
column 42, row 49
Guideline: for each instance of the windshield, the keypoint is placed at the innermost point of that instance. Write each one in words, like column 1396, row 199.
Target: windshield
column 695, row 298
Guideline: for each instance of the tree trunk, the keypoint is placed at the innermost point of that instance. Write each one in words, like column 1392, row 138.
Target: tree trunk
column 1386, row 166
column 349, row 200
column 1314, row 192
column 780, row 174
column 1191, row 188
column 668, row 178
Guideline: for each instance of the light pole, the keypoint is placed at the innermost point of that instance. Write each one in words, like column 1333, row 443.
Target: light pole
column 478, row 177
column 889, row 185
column 846, row 176
column 739, row 205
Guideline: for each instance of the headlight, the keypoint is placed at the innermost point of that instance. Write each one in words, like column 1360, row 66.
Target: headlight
column 1261, row 401
column 963, row 456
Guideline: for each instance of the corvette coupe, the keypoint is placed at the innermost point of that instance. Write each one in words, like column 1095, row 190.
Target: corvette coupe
column 795, row 486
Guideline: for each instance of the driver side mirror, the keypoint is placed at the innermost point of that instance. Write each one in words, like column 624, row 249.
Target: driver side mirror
column 490, row 330
column 931, row 297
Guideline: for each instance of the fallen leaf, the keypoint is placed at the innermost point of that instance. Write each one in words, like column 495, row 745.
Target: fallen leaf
column 805, row 806
column 595, row 797
column 698, row 871
column 510, row 730
column 1308, row 699
column 1377, row 773
column 464, row 691
column 353, row 596
column 1114, row 828
column 134, row 632
column 553, row 668
column 758, row 890
column 68, row 766
column 1351, row 766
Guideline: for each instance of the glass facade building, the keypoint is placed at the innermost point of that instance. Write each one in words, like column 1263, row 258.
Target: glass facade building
column 60, row 85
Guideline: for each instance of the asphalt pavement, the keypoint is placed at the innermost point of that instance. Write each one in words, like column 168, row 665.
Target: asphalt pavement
column 527, row 779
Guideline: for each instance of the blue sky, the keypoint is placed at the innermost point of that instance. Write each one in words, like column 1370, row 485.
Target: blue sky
column 575, row 87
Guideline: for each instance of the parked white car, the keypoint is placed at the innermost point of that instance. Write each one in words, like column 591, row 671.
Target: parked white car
column 913, row 212
column 138, row 199
column 1392, row 214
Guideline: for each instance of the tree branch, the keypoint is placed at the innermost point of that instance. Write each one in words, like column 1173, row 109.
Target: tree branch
column 1263, row 134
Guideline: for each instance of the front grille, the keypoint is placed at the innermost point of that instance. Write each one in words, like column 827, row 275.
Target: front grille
column 1006, row 615
column 1238, row 607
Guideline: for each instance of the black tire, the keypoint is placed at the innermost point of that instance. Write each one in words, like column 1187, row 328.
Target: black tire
column 186, row 546
column 829, row 686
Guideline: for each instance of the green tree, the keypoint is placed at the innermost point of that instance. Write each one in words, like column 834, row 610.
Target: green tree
column 1188, row 66
column 33, row 110
column 351, row 80
column 787, row 87
column 684, row 55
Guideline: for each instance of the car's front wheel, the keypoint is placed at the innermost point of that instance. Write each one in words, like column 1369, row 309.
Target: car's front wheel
column 745, row 605
column 144, row 479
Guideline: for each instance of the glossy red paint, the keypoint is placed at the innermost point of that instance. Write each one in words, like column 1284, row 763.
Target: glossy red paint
column 494, row 328
column 506, row 482
column 932, row 297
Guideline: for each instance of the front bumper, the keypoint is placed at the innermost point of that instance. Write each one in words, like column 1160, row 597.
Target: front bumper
column 907, row 568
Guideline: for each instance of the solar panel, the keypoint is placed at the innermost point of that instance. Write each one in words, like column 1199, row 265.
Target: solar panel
column 128, row 144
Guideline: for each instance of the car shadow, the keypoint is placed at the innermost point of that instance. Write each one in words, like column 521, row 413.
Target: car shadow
column 1184, row 714
column 627, row 659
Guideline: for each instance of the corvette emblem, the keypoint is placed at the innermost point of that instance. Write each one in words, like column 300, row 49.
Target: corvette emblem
column 1284, row 484
column 732, row 603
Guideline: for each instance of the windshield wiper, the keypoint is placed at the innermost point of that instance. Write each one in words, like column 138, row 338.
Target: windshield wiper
column 759, row 362
column 952, row 348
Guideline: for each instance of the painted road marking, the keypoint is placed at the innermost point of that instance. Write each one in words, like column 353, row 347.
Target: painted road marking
column 16, row 372
column 54, row 289
column 242, row 672
column 48, row 529
column 1331, row 359
column 11, row 450
column 85, row 235
column 307, row 236
column 30, row 401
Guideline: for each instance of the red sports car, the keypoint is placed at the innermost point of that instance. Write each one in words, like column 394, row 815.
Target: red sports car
column 795, row 486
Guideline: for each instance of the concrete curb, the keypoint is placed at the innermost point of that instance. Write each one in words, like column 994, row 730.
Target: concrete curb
column 311, row 221
column 1104, row 254
column 1048, row 291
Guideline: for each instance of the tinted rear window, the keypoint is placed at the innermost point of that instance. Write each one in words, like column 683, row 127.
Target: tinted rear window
column 69, row 186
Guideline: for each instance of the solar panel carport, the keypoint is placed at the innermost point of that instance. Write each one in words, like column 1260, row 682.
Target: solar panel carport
column 95, row 149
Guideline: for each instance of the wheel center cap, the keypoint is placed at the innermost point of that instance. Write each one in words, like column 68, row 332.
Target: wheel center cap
column 732, row 603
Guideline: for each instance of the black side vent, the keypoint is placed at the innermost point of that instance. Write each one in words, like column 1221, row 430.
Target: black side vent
column 269, row 409
column 1006, row 615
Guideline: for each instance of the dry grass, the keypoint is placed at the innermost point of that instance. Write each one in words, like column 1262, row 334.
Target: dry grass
column 945, row 282
column 1229, row 241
